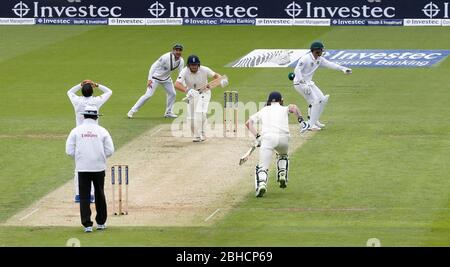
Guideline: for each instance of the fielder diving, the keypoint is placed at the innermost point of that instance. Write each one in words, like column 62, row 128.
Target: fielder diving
column 274, row 137
column 159, row 74
column 302, row 77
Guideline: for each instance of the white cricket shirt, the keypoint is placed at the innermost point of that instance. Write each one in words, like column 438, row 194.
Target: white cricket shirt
column 307, row 65
column 161, row 69
column 80, row 102
column 195, row 80
column 89, row 144
column 274, row 119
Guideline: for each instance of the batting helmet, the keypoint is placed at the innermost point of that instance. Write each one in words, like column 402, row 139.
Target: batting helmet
column 274, row 97
column 193, row 59
column 316, row 45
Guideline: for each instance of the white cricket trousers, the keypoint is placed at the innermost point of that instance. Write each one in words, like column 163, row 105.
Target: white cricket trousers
column 270, row 143
column 316, row 100
column 197, row 114
column 170, row 91
column 314, row 97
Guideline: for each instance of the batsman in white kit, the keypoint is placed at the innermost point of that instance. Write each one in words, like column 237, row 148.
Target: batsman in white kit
column 302, row 77
column 159, row 74
column 79, row 104
column 193, row 80
column 274, row 119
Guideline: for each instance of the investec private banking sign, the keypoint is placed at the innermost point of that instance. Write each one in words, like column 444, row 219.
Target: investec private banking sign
column 37, row 10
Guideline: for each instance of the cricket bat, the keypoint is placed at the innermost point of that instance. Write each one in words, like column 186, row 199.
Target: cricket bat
column 211, row 85
column 247, row 154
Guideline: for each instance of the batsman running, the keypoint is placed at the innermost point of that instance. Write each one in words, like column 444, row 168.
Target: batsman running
column 159, row 74
column 274, row 137
column 193, row 80
column 302, row 76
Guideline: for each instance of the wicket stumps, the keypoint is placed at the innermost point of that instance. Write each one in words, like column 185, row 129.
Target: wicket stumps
column 229, row 104
column 118, row 169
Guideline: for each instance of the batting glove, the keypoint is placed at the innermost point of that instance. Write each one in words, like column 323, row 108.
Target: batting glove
column 223, row 82
column 258, row 140
column 304, row 125
column 191, row 93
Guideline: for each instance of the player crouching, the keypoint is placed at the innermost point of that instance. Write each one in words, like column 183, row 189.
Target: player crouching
column 274, row 136
column 302, row 78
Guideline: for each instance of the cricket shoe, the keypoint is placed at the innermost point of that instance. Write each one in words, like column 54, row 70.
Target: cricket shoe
column 197, row 139
column 314, row 128
column 130, row 114
column 170, row 115
column 319, row 124
column 77, row 198
column 101, row 227
column 282, row 179
column 261, row 190
column 88, row 229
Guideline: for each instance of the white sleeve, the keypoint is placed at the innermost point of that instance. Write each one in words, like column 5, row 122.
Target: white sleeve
column 154, row 66
column 70, row 144
column 331, row 65
column 298, row 69
column 209, row 72
column 255, row 118
column 181, row 66
column 104, row 97
column 181, row 75
column 108, row 144
column 72, row 93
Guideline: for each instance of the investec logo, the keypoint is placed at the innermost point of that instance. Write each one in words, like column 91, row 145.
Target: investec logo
column 158, row 10
column 431, row 10
column 294, row 10
column 21, row 10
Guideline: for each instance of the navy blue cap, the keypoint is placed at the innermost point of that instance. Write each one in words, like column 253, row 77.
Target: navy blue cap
column 274, row 97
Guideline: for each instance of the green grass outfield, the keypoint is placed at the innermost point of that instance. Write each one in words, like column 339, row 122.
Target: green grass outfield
column 380, row 170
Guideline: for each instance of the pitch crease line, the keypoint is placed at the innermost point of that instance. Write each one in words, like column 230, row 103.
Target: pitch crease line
column 210, row 216
column 156, row 131
column 29, row 214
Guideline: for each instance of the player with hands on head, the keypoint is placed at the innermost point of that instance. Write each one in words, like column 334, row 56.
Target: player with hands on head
column 79, row 104
column 87, row 97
